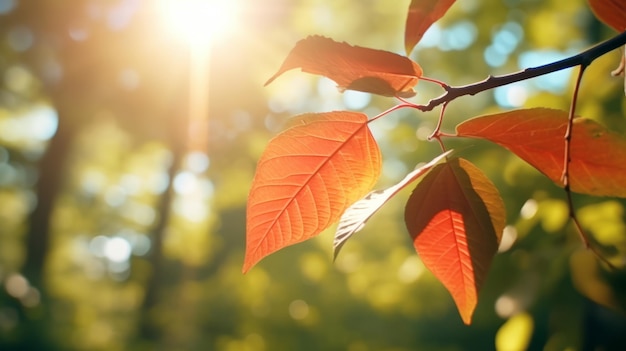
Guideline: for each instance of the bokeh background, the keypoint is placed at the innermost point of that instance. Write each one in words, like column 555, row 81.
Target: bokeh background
column 129, row 133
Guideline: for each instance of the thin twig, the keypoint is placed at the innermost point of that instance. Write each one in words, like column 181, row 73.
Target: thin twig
column 566, row 172
column 568, row 132
column 567, row 158
column 582, row 234
column 437, row 132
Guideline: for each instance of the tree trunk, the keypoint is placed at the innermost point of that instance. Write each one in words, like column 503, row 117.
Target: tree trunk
column 33, row 332
column 148, row 328
column 52, row 167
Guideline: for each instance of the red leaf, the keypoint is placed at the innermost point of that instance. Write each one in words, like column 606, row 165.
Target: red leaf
column 354, row 67
column 422, row 14
column 353, row 220
column 597, row 164
column 611, row 12
column 456, row 218
column 305, row 179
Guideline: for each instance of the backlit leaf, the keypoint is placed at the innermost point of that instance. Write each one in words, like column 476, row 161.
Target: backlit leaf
column 361, row 211
column 611, row 12
column 422, row 14
column 456, row 217
column 536, row 135
column 307, row 176
column 354, row 67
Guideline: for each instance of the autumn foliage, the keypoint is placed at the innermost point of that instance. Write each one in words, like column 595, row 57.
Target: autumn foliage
column 322, row 168
column 456, row 217
column 307, row 177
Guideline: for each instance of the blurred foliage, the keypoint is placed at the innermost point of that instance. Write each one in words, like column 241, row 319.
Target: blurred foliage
column 120, row 231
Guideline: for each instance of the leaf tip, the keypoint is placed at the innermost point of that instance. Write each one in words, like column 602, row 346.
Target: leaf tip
column 336, row 249
column 246, row 267
column 272, row 78
column 408, row 49
column 249, row 261
column 467, row 314
column 409, row 44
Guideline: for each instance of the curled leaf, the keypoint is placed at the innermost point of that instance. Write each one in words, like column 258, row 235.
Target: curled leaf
column 354, row 67
column 361, row 211
column 305, row 179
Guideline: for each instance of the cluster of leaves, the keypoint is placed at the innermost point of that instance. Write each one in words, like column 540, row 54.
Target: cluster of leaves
column 321, row 169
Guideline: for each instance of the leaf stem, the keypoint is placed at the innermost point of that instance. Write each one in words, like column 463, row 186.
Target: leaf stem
column 435, row 81
column 582, row 59
column 391, row 109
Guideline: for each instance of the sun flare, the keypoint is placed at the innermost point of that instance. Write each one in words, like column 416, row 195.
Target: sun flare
column 200, row 21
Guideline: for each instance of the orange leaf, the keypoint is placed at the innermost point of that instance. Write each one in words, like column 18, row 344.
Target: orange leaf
column 305, row 179
column 354, row 67
column 361, row 211
column 597, row 164
column 422, row 14
column 611, row 12
column 456, row 218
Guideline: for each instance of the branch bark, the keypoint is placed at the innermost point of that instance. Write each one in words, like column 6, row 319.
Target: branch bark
column 585, row 58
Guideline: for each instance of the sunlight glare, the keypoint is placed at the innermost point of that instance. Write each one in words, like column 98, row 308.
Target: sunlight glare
column 200, row 21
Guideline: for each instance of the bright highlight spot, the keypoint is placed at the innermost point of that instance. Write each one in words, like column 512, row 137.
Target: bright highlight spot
column 555, row 82
column 356, row 100
column 197, row 162
column 507, row 306
column 529, row 209
column 503, row 43
column 186, row 183
column 493, row 57
column 35, row 125
column 117, row 249
column 200, row 21
column 509, row 235
column 511, row 95
column 97, row 245
column 459, row 36
column 410, row 270
column 432, row 37
column 16, row 285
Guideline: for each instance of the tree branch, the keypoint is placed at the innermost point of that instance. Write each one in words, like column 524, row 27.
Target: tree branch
column 585, row 58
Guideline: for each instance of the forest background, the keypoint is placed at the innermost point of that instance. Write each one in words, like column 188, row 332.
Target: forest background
column 127, row 148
